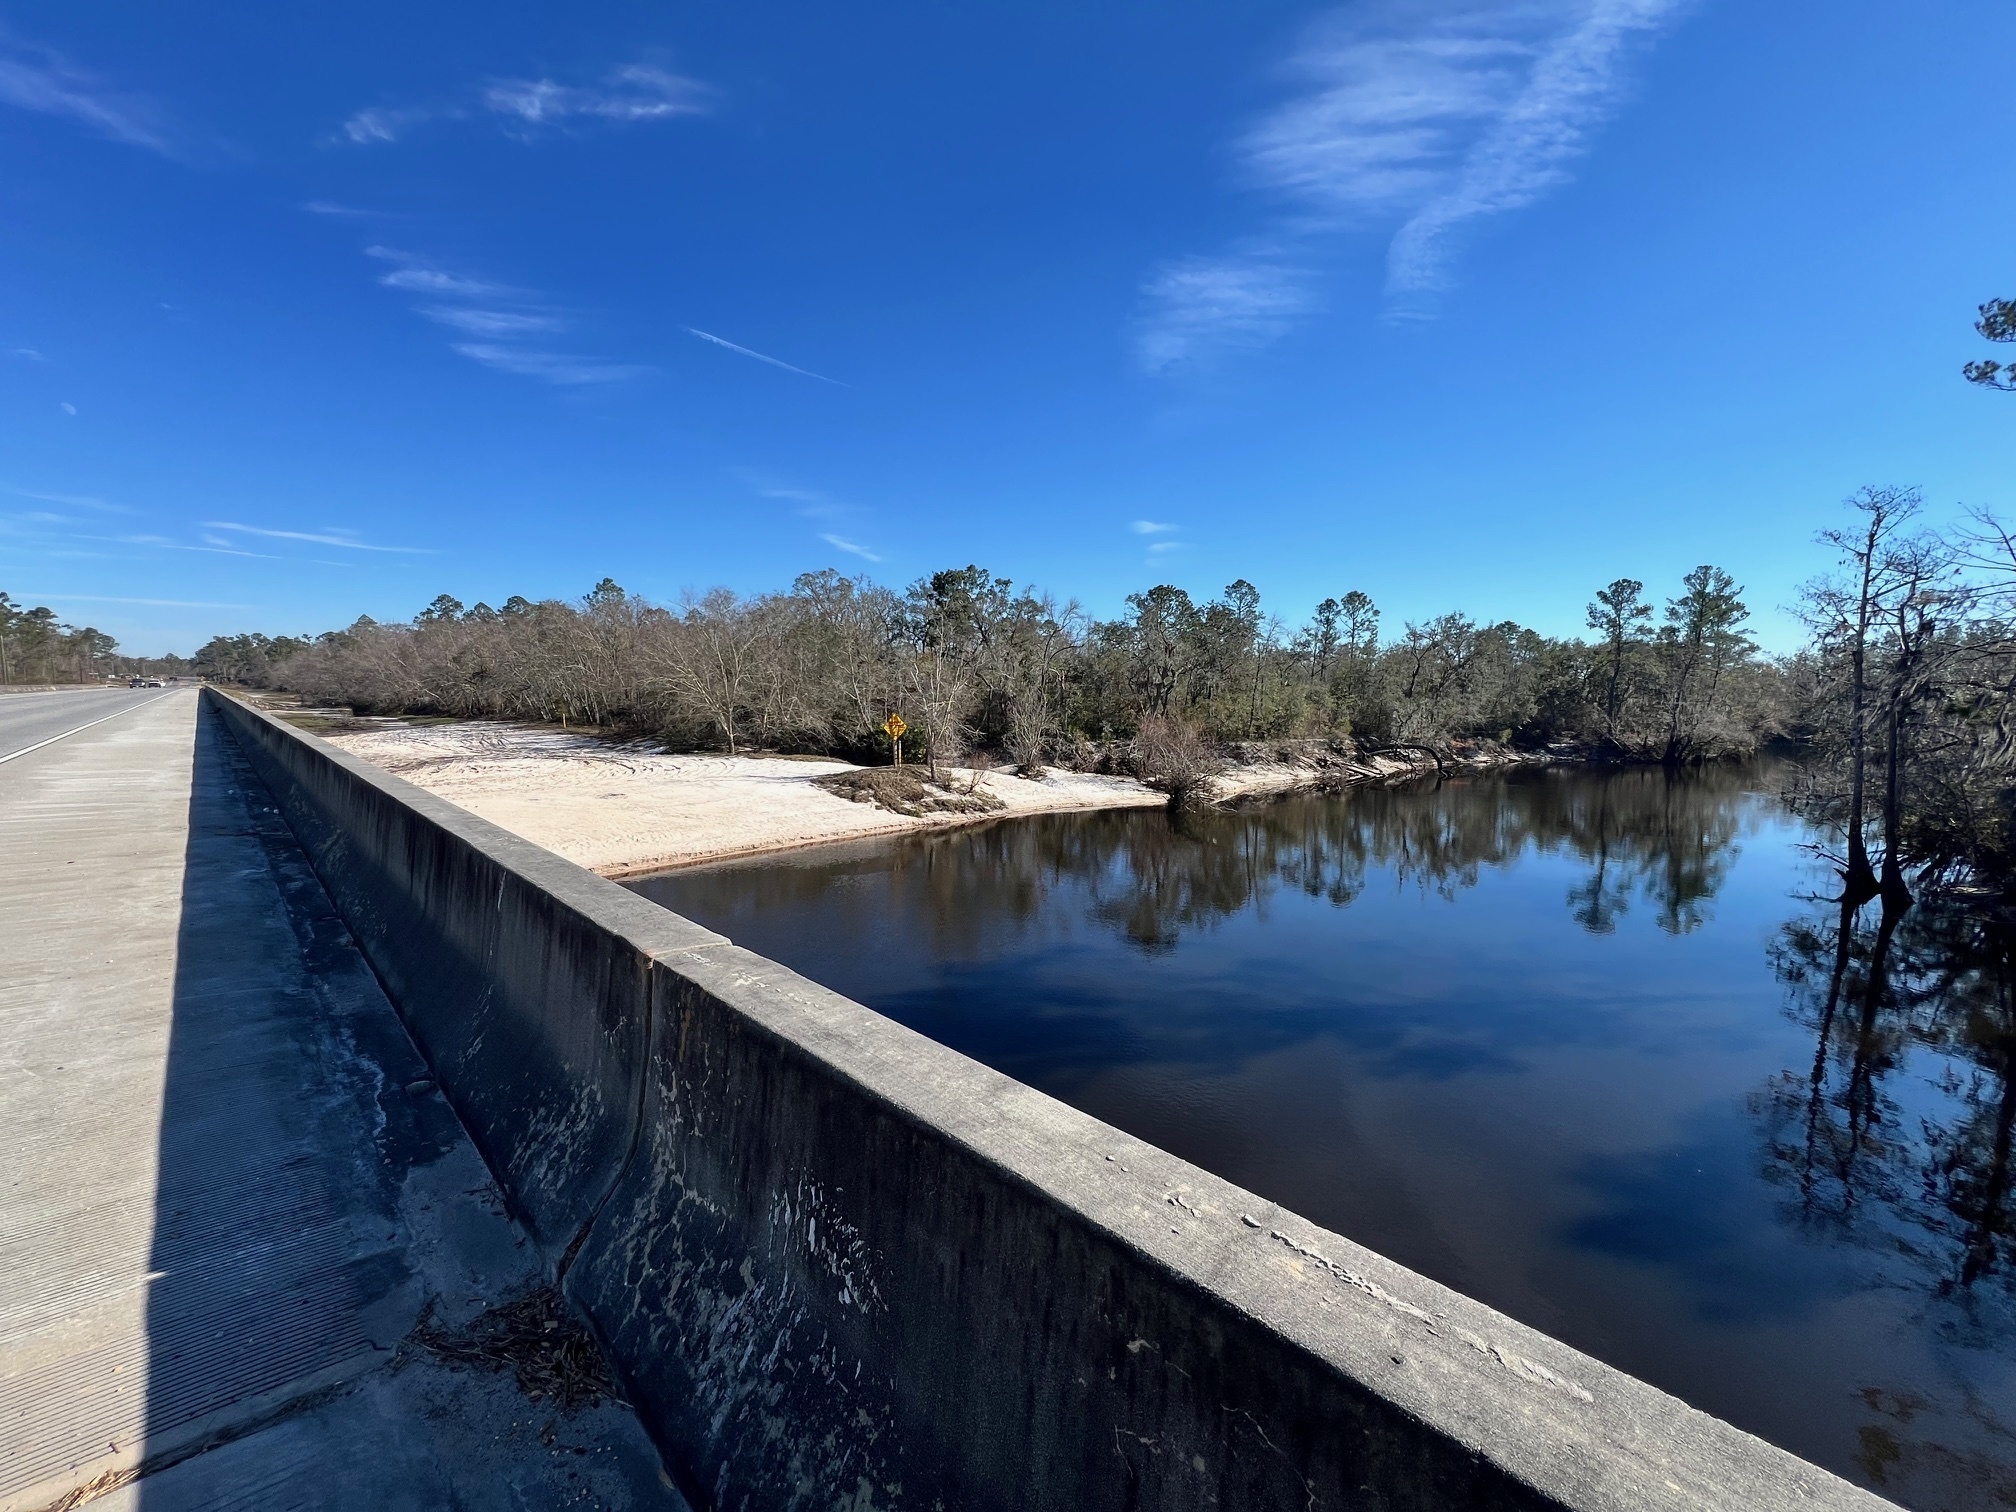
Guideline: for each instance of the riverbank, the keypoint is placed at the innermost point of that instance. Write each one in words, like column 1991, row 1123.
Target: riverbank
column 630, row 809
column 625, row 810
column 1259, row 769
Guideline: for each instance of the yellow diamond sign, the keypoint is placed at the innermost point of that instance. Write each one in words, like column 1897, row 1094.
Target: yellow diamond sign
column 894, row 726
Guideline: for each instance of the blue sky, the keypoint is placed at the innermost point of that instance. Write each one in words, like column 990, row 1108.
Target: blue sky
column 317, row 310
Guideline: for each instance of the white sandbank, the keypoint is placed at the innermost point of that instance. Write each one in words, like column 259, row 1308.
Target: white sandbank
column 624, row 810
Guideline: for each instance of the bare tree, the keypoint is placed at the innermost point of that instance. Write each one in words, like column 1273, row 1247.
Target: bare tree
column 1844, row 611
column 710, row 662
column 1921, row 570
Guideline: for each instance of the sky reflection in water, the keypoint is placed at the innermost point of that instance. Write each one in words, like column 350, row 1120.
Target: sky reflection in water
column 1588, row 1047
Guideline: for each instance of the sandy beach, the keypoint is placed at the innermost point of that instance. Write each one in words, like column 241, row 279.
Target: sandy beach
column 625, row 810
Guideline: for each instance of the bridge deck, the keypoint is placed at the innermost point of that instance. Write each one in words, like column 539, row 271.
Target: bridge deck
column 228, row 1189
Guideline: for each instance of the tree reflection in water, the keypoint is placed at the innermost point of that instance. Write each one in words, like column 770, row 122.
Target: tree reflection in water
column 1897, row 1140
column 1940, row 978
column 1930, row 1181
column 1647, row 834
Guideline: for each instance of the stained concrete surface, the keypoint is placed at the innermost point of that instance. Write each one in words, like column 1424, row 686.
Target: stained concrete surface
column 231, row 1186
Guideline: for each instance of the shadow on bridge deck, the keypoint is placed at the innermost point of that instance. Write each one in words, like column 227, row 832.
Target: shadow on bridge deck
column 311, row 1193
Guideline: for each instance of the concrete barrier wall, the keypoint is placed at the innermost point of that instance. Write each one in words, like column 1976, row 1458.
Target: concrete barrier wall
column 837, row 1264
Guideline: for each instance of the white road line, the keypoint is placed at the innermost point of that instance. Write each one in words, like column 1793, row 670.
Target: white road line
column 25, row 750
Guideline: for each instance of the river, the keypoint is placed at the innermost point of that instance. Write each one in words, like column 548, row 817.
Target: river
column 1591, row 1047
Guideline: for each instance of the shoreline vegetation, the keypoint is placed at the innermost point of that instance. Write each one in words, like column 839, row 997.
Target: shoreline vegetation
column 973, row 664
column 1901, row 707
column 627, row 808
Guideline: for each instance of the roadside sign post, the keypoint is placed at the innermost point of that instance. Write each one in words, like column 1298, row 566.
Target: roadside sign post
column 893, row 727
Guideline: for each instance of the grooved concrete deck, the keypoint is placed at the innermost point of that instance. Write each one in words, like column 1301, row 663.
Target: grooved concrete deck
column 228, row 1189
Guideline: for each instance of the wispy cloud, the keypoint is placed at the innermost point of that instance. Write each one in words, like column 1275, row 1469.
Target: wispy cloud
column 636, row 92
column 553, row 367
column 815, row 505
column 46, row 532
column 434, row 281
column 346, row 212
column 319, row 538
column 417, row 275
column 1527, row 148
column 217, row 546
column 1203, row 305
column 815, row 501
column 1159, row 532
column 503, row 332
column 162, row 543
column 841, row 543
column 38, row 79
column 631, row 94
column 100, row 598
column 259, row 556
column 812, row 503
column 28, row 352
column 369, row 126
column 494, row 323
column 67, row 407
column 73, row 501
column 773, row 361
column 1413, row 118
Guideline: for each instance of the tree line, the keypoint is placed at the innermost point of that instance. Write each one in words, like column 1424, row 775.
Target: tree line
column 973, row 662
column 38, row 647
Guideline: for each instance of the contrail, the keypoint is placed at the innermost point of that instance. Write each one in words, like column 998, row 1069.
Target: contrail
column 773, row 361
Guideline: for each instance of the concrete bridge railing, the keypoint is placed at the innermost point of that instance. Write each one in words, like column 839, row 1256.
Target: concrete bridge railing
column 837, row 1264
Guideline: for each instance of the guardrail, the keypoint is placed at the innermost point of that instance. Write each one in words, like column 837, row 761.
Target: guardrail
column 837, row 1264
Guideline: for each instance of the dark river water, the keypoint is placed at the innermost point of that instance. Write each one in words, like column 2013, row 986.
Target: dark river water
column 1591, row 1048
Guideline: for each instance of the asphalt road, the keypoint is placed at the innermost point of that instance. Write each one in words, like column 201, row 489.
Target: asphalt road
column 29, row 719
